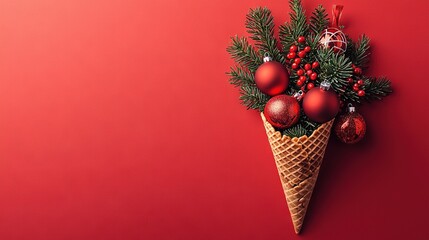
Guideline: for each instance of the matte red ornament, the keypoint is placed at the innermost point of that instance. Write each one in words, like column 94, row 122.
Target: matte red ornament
column 333, row 37
column 271, row 77
column 282, row 111
column 321, row 104
column 350, row 127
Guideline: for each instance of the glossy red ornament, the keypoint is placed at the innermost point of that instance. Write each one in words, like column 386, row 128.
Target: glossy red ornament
column 271, row 77
column 321, row 104
column 282, row 111
column 350, row 127
column 333, row 37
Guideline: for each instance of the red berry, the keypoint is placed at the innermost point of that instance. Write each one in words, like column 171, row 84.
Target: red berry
column 301, row 39
column 297, row 60
column 350, row 80
column 302, row 78
column 301, row 54
column 299, row 83
column 310, row 86
column 307, row 49
column 295, row 66
column 315, row 65
column 291, row 55
column 360, row 82
column 313, row 76
column 293, row 48
column 300, row 72
column 361, row 93
column 357, row 71
column 355, row 87
column 307, row 66
column 309, row 72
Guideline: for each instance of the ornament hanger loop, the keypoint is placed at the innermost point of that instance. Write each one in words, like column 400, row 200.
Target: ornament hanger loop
column 267, row 57
column 351, row 107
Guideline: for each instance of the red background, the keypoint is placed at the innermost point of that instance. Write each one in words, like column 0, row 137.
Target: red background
column 117, row 122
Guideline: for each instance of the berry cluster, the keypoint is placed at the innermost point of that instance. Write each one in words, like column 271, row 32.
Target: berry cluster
column 303, row 68
column 357, row 83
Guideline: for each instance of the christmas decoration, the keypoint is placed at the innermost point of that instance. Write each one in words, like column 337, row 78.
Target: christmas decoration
column 350, row 127
column 322, row 62
column 333, row 37
column 282, row 111
column 321, row 104
column 271, row 77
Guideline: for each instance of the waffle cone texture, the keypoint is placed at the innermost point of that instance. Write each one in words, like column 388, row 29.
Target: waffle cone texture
column 298, row 163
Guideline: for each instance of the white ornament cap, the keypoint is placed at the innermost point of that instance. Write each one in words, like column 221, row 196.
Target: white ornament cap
column 325, row 85
column 298, row 95
column 267, row 57
column 351, row 108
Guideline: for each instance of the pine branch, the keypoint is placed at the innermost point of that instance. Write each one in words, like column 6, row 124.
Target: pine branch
column 295, row 131
column 359, row 52
column 290, row 31
column 377, row 88
column 240, row 77
column 334, row 68
column 244, row 54
column 260, row 26
column 253, row 98
column 319, row 20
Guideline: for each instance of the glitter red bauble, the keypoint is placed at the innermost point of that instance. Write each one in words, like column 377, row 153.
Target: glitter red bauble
column 335, row 39
column 321, row 105
column 272, row 78
column 350, row 127
column 282, row 111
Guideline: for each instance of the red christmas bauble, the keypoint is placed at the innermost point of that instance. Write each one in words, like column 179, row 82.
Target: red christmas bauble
column 321, row 104
column 334, row 38
column 282, row 111
column 350, row 127
column 272, row 78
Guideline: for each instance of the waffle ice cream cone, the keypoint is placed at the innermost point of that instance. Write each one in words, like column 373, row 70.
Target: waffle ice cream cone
column 298, row 162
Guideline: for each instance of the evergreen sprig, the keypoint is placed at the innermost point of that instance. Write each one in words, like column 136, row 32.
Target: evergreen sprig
column 253, row 98
column 295, row 131
column 298, row 26
column 260, row 26
column 334, row 68
column 244, row 54
column 319, row 20
column 239, row 77
column 359, row 52
column 376, row 88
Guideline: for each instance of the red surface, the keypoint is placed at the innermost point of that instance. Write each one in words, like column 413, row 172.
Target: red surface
column 117, row 122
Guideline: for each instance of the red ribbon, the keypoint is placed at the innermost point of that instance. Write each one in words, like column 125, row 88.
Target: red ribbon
column 336, row 15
